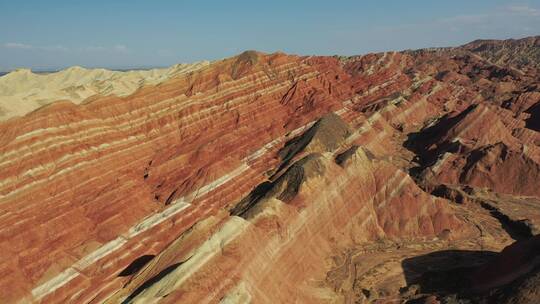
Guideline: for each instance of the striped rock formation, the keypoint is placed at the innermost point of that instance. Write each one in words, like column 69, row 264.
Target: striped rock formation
column 271, row 178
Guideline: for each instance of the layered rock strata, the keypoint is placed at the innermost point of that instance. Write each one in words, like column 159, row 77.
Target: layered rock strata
column 271, row 178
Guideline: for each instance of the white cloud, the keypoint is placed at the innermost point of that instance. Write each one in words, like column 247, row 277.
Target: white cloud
column 93, row 48
column 523, row 10
column 16, row 45
column 502, row 12
column 120, row 48
column 23, row 46
column 466, row 19
column 507, row 19
column 55, row 48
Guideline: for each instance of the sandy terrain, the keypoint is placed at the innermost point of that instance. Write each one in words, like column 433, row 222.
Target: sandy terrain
column 22, row 91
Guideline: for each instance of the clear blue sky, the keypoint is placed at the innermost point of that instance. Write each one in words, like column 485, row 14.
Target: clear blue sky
column 48, row 34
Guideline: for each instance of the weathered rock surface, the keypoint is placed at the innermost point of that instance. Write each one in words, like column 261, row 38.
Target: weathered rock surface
column 272, row 178
column 521, row 53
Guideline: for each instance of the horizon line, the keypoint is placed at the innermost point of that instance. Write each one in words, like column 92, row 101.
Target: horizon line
column 143, row 67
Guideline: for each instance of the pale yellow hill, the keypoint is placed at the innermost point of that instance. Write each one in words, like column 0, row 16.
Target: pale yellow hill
column 22, row 91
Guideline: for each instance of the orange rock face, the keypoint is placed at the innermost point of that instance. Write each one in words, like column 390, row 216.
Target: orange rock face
column 271, row 178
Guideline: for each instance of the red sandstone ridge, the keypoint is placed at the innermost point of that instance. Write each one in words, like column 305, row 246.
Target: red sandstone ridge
column 272, row 178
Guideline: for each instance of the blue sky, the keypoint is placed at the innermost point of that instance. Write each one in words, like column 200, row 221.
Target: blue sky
column 142, row 33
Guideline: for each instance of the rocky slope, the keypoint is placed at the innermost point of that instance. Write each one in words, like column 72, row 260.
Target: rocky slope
column 522, row 53
column 272, row 178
